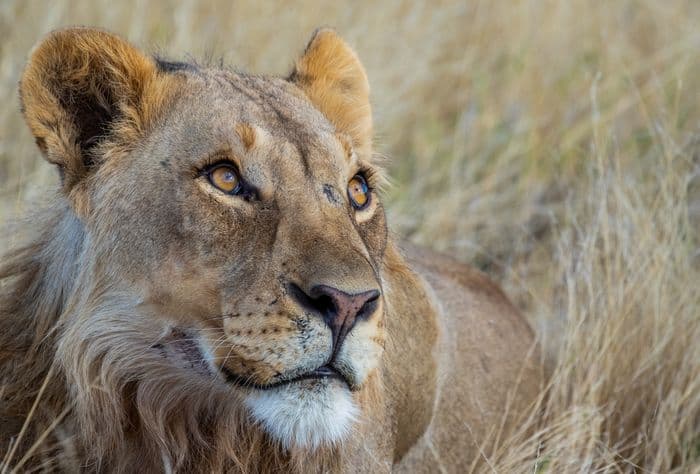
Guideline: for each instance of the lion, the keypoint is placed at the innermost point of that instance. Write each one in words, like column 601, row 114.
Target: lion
column 212, row 287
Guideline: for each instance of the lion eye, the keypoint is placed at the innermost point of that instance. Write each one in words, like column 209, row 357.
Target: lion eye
column 358, row 191
column 225, row 178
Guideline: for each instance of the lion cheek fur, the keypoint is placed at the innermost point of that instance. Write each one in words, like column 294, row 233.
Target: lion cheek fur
column 306, row 418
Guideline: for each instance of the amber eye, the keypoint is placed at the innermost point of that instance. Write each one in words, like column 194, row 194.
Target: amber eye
column 358, row 191
column 225, row 178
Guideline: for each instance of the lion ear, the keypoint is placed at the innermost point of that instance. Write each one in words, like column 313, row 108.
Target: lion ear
column 331, row 75
column 77, row 85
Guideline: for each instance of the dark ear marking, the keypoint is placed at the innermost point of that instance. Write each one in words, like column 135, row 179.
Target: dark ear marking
column 41, row 144
column 167, row 66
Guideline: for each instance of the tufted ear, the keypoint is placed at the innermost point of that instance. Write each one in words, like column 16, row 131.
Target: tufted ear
column 331, row 75
column 79, row 86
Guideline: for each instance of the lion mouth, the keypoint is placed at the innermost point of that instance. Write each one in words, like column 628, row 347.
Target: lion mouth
column 325, row 372
column 181, row 345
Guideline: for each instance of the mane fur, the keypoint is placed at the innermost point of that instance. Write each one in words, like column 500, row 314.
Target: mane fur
column 129, row 405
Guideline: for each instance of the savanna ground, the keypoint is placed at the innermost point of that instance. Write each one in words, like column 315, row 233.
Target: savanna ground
column 555, row 145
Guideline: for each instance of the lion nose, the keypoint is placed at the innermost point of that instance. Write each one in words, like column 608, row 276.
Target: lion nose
column 340, row 310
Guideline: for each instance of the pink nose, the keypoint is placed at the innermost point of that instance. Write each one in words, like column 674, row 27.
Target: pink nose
column 340, row 310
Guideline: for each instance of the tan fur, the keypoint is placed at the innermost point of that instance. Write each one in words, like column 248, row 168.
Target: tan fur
column 140, row 266
column 247, row 135
column 331, row 75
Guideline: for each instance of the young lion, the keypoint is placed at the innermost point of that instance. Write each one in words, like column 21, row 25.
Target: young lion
column 213, row 287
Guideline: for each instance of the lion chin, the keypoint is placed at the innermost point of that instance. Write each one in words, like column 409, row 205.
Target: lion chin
column 306, row 414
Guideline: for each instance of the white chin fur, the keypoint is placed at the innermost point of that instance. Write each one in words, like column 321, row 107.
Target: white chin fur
column 304, row 417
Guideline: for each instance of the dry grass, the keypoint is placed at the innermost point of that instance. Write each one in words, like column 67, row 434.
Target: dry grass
column 554, row 144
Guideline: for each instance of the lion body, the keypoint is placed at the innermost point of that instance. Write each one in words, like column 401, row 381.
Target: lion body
column 149, row 321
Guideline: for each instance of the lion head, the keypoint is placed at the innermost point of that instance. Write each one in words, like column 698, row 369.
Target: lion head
column 228, row 239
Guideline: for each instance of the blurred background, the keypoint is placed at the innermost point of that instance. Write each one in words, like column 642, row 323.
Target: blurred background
column 553, row 144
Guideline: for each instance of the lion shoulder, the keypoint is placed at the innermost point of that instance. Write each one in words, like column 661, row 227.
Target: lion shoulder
column 485, row 358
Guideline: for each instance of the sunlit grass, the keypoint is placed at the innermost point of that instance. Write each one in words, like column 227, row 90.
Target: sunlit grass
column 555, row 145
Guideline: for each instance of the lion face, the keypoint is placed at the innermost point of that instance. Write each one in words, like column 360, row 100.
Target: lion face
column 277, row 281
column 234, row 228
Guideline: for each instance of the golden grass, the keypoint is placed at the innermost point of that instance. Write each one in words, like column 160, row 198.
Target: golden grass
column 554, row 144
